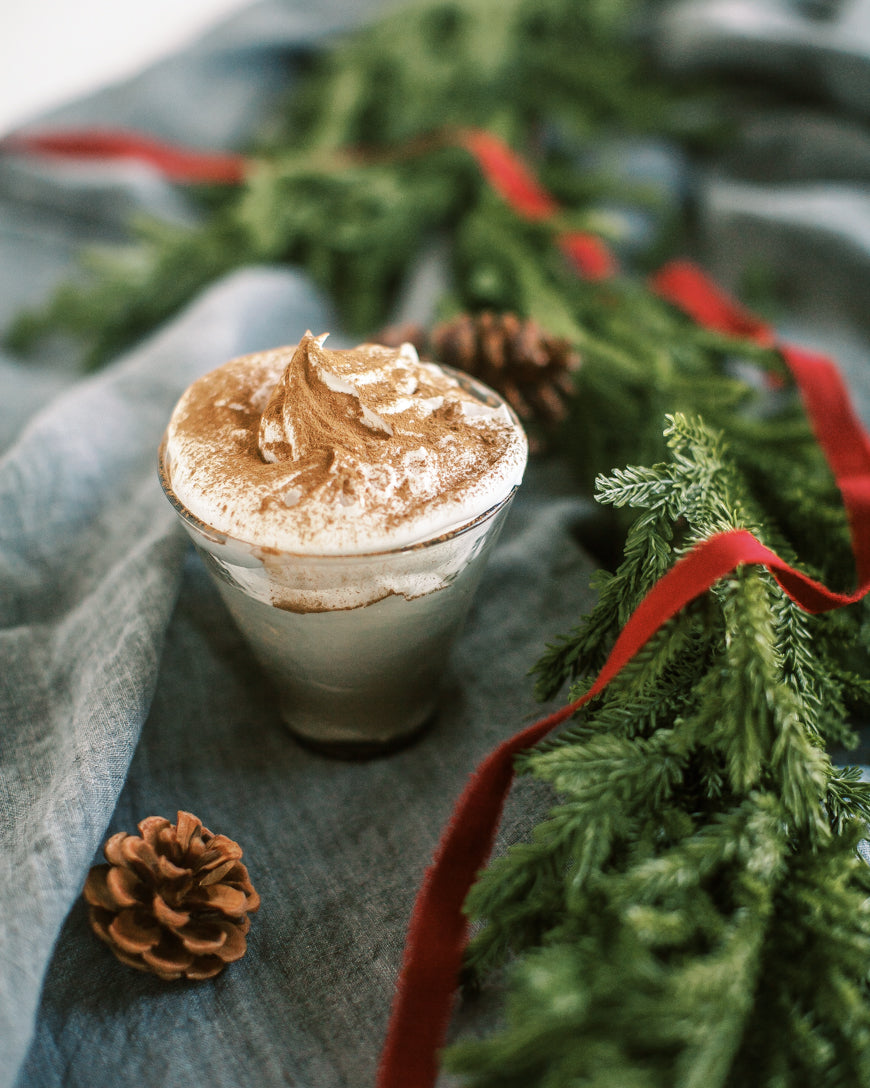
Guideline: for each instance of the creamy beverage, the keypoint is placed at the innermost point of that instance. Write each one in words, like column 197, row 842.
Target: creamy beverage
column 345, row 502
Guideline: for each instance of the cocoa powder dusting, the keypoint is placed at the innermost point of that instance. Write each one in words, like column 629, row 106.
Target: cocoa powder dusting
column 358, row 442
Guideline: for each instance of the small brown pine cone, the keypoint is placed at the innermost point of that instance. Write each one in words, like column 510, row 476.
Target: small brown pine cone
column 530, row 369
column 173, row 900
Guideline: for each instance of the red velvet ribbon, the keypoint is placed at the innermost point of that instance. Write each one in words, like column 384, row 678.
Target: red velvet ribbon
column 515, row 183
column 438, row 931
column 182, row 164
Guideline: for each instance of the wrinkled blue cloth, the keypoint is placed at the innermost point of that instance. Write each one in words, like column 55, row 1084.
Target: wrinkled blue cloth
column 125, row 690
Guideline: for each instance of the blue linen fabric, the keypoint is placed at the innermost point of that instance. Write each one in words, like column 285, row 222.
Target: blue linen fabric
column 125, row 690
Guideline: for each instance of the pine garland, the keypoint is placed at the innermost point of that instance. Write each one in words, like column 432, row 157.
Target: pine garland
column 693, row 910
column 364, row 169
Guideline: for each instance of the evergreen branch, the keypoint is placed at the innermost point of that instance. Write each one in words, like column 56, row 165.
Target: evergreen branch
column 693, row 909
column 354, row 219
column 847, row 799
column 656, row 990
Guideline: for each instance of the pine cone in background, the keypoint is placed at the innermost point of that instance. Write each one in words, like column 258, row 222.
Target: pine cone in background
column 530, row 369
column 173, row 900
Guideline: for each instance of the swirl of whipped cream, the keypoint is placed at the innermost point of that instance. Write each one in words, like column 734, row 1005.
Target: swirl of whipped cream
column 340, row 452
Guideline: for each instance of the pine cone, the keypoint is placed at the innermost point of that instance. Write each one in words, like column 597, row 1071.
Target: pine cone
column 530, row 369
column 173, row 900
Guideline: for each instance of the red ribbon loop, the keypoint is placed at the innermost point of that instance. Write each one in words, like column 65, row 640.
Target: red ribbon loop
column 686, row 286
column 517, row 186
column 181, row 164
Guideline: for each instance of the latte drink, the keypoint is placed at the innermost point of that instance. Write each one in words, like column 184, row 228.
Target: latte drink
column 345, row 502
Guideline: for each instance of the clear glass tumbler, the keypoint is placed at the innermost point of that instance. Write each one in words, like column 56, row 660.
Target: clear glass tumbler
column 355, row 645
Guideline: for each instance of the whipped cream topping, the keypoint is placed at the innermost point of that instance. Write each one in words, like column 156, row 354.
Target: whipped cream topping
column 324, row 452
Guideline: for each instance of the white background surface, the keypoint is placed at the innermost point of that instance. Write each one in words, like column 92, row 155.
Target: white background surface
column 53, row 50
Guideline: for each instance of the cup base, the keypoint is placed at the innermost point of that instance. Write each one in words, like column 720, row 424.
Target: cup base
column 362, row 750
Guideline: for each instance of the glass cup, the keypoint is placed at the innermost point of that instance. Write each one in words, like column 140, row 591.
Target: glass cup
column 355, row 645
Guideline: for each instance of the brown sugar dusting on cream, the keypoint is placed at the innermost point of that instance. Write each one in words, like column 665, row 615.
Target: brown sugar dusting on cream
column 339, row 451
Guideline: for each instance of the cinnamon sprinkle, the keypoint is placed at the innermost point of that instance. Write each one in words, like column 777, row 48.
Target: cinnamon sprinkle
column 314, row 450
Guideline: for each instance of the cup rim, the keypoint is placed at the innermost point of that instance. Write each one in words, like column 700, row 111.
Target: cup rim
column 218, row 536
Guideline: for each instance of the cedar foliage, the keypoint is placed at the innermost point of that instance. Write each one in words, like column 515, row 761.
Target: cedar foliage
column 693, row 911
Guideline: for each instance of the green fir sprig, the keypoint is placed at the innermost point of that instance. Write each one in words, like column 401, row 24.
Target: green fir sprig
column 693, row 910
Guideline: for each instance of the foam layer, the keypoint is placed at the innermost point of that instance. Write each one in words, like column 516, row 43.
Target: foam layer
column 323, row 452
